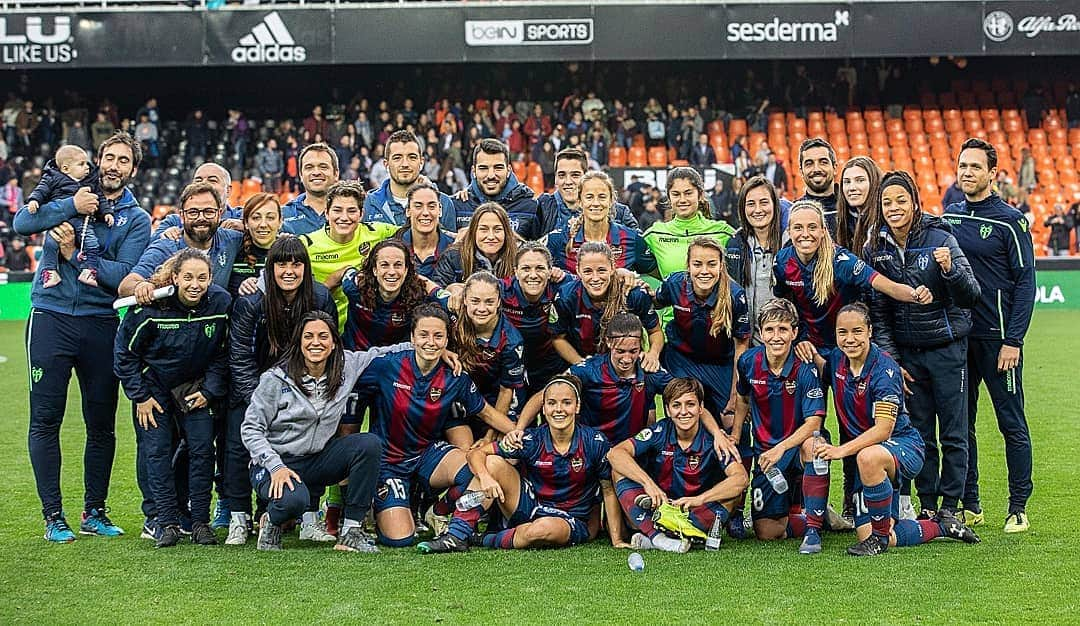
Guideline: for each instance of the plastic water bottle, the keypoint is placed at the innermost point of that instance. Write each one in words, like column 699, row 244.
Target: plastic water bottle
column 821, row 466
column 776, row 479
column 635, row 562
column 470, row 500
column 712, row 542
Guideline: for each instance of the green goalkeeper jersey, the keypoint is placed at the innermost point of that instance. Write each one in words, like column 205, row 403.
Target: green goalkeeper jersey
column 329, row 256
column 669, row 241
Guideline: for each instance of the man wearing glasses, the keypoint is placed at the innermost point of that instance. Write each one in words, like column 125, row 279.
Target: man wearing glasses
column 200, row 214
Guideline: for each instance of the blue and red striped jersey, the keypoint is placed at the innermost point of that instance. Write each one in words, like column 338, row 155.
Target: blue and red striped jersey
column 795, row 281
column 501, row 362
column 854, row 396
column 779, row 405
column 677, row 471
column 533, row 321
column 688, row 331
column 569, row 482
column 618, row 407
column 627, row 248
column 409, row 410
column 426, row 267
column 374, row 324
column 578, row 318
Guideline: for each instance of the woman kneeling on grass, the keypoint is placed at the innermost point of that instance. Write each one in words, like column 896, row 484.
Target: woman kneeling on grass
column 289, row 429
column 550, row 499
column 172, row 359
column 868, row 392
column 671, row 468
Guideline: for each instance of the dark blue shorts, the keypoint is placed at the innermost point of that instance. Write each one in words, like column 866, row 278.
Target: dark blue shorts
column 395, row 480
column 765, row 503
column 908, row 452
column 530, row 509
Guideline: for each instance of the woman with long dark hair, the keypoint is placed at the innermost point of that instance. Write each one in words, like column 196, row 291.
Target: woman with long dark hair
column 382, row 296
column 857, row 203
column 261, row 331
column 421, row 233
column 751, row 251
column 489, row 244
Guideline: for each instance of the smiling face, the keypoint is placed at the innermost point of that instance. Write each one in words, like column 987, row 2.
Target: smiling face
column 192, row 279
column 596, row 200
column 560, row 406
column 684, row 412
column 533, row 272
column 595, row 271
column 481, row 302
column 214, row 175
column 117, row 166
column 491, row 172
column 403, row 162
column 706, row 266
column 625, row 352
column 898, row 208
column 424, row 211
column 316, row 343
column 684, row 197
column 818, row 171
column 317, row 172
column 806, row 231
column 263, row 223
column 568, row 175
column 429, row 337
column 855, row 185
column 390, row 270
column 288, row 275
column 760, row 211
column 973, row 173
column 343, row 214
column 200, row 217
column 777, row 336
column 853, row 335
column 490, row 235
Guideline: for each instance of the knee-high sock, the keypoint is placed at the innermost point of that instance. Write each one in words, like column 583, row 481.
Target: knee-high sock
column 642, row 518
column 879, row 504
column 796, row 525
column 503, row 539
column 911, row 532
column 815, row 490
column 445, row 504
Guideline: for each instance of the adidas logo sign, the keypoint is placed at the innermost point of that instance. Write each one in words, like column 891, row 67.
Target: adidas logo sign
column 269, row 42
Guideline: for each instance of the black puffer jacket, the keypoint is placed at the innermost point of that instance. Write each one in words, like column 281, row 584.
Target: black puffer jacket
column 249, row 347
column 913, row 325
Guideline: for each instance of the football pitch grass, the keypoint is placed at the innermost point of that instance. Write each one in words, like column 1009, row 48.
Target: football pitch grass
column 1005, row 579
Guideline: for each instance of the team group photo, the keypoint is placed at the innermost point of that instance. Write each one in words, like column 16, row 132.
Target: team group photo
column 510, row 338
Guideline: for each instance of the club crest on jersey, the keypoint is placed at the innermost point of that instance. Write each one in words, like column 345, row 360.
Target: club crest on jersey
column 923, row 261
column 397, row 317
column 489, row 354
column 382, row 492
column 221, row 259
column 860, row 389
column 789, row 387
column 577, row 464
column 364, row 248
column 639, row 385
column 693, row 462
column 985, row 230
column 434, row 394
column 616, row 252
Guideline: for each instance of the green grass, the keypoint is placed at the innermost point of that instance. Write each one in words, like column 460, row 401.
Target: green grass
column 1005, row 579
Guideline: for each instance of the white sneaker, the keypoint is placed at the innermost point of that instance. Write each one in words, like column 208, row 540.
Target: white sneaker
column 315, row 531
column 239, row 523
column 641, row 542
column 907, row 511
column 437, row 523
column 671, row 544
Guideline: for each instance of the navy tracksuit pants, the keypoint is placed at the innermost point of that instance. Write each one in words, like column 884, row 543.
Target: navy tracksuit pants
column 1007, row 394
column 157, row 449
column 56, row 344
column 938, row 409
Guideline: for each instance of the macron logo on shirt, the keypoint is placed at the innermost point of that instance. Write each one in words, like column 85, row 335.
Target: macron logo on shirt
column 269, row 42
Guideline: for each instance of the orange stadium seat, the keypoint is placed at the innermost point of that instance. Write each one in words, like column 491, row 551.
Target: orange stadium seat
column 658, row 156
column 617, row 156
column 519, row 169
column 637, row 156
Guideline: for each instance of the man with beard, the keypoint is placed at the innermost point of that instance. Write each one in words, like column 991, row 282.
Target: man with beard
column 200, row 213
column 71, row 326
column 817, row 164
column 318, row 165
column 557, row 208
column 404, row 161
column 494, row 181
column 219, row 178
column 996, row 240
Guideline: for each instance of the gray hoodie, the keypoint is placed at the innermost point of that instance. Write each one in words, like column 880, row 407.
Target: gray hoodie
column 282, row 421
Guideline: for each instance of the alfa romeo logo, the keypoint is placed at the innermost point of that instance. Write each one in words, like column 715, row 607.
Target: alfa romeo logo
column 998, row 26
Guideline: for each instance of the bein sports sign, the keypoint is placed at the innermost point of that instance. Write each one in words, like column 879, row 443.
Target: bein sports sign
column 571, row 32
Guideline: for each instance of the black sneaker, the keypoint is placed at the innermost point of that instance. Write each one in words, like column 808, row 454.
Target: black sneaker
column 871, row 546
column 356, row 540
column 443, row 543
column 170, row 536
column 203, row 535
column 926, row 514
column 953, row 528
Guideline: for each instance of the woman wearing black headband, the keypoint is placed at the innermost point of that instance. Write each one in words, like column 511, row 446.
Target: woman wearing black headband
column 929, row 340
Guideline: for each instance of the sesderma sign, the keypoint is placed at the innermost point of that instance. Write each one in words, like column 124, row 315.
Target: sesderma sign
column 574, row 32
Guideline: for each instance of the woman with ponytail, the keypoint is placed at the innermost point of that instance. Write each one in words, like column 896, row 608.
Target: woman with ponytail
column 262, row 221
column 596, row 222
column 670, row 240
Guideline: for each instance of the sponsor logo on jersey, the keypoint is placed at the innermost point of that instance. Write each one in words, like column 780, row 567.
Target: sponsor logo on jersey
column 815, row 393
column 644, row 435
